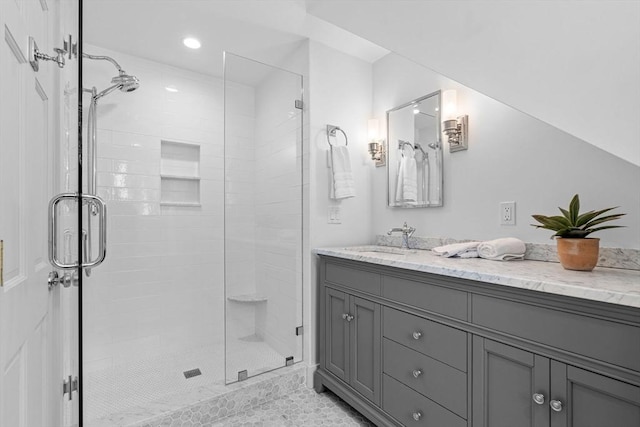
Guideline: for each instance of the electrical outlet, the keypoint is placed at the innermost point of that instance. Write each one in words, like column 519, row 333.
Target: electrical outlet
column 508, row 213
column 334, row 215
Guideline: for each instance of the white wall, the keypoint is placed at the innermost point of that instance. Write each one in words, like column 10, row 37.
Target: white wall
column 573, row 64
column 511, row 157
column 339, row 94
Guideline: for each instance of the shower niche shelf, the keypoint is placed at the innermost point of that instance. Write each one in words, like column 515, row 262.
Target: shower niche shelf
column 179, row 174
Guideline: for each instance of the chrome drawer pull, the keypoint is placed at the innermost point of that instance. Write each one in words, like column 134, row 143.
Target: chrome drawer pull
column 556, row 405
column 538, row 398
column 417, row 415
column 417, row 373
column 417, row 335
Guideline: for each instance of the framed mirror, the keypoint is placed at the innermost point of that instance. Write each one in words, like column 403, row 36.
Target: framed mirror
column 414, row 154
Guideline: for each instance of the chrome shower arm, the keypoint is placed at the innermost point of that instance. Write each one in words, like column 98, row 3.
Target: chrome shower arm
column 104, row 58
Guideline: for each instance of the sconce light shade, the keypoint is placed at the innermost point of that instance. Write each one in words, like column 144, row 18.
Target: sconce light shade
column 372, row 129
column 453, row 126
column 376, row 144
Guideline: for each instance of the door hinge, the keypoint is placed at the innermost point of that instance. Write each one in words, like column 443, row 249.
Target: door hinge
column 69, row 386
column 298, row 104
column 288, row 361
column 299, row 330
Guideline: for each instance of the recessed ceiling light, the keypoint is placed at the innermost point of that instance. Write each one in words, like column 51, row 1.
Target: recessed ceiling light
column 191, row 43
column 171, row 89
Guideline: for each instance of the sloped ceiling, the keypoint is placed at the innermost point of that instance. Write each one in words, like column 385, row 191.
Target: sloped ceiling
column 572, row 64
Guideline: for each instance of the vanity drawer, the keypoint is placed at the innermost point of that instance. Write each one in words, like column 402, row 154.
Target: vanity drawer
column 364, row 281
column 439, row 382
column 437, row 299
column 605, row 340
column 440, row 342
column 413, row 409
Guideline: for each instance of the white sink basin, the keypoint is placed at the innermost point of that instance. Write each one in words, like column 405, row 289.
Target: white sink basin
column 381, row 250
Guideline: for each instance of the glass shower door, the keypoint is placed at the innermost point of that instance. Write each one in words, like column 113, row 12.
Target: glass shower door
column 263, row 217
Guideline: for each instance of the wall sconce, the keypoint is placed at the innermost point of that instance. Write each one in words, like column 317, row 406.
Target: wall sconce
column 454, row 126
column 376, row 145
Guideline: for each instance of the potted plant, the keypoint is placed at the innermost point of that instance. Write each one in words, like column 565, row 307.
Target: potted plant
column 575, row 250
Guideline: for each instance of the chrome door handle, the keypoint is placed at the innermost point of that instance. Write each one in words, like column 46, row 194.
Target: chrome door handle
column 102, row 230
column 53, row 229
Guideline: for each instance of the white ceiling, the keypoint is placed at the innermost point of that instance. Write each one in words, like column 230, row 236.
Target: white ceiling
column 264, row 30
column 573, row 64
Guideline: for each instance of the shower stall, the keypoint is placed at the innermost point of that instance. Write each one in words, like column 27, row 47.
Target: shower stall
column 202, row 283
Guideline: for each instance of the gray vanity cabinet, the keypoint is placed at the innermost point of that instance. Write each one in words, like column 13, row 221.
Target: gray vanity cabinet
column 513, row 387
column 352, row 342
column 407, row 348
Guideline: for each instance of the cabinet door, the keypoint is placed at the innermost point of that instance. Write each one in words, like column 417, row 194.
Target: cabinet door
column 336, row 334
column 592, row 400
column 365, row 368
column 504, row 382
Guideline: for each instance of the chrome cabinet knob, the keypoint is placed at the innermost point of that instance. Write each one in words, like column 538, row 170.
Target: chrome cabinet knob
column 347, row 317
column 417, row 373
column 538, row 398
column 556, row 405
column 344, row 316
column 417, row 415
column 416, row 335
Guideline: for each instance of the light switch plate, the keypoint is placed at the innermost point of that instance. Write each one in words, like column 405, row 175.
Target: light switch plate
column 334, row 215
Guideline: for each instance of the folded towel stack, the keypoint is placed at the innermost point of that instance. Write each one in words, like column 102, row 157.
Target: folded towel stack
column 342, row 183
column 462, row 250
column 506, row 249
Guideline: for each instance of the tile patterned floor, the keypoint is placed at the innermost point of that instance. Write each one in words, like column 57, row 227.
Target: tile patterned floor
column 302, row 408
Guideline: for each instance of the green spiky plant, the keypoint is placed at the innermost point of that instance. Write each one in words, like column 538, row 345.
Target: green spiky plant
column 572, row 224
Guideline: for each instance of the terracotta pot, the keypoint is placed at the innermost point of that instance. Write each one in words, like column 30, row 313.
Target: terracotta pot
column 578, row 254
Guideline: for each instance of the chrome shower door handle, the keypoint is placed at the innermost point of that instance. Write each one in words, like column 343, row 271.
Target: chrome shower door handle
column 53, row 229
column 102, row 230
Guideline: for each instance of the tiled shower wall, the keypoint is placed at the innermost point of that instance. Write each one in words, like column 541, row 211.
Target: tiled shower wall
column 161, row 287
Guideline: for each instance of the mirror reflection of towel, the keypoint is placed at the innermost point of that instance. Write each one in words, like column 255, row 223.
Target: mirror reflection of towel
column 342, row 183
column 407, row 185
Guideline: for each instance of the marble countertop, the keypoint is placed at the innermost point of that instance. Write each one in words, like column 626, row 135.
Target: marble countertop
column 611, row 285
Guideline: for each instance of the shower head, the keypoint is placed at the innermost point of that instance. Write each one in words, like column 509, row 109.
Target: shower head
column 125, row 82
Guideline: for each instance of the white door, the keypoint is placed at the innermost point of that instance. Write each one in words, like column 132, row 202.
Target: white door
column 36, row 144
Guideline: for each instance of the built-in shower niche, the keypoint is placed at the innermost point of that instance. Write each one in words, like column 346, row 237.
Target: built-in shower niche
column 179, row 174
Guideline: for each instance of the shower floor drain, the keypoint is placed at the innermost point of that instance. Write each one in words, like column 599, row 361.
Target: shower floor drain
column 192, row 373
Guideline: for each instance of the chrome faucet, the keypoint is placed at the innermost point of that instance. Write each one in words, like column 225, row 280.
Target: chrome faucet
column 406, row 231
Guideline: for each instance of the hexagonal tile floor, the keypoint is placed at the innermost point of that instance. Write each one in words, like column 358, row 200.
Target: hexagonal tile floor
column 302, row 408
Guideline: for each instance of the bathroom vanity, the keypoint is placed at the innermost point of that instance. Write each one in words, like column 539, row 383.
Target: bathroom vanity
column 408, row 338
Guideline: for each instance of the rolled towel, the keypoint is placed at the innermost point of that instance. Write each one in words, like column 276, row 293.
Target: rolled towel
column 506, row 249
column 462, row 250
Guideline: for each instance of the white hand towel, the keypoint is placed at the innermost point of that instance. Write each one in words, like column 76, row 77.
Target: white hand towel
column 506, row 249
column 407, row 185
column 463, row 250
column 342, row 183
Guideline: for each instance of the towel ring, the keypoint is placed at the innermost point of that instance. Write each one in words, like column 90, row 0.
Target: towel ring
column 331, row 131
